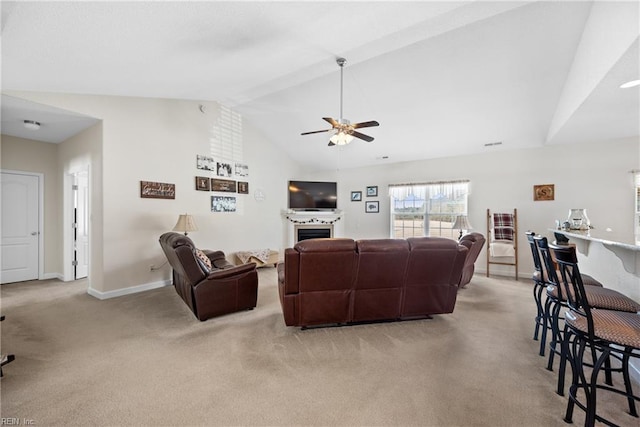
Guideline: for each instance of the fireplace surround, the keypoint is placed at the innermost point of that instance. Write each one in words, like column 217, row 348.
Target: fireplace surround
column 312, row 224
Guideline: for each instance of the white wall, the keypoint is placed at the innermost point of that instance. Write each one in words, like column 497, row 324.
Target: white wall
column 83, row 152
column 158, row 140
column 592, row 176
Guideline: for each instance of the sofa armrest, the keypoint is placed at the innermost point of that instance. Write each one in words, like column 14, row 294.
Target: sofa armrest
column 231, row 271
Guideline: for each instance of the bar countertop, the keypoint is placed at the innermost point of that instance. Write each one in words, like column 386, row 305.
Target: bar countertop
column 609, row 238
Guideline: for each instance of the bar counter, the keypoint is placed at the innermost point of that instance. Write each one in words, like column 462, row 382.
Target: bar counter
column 611, row 258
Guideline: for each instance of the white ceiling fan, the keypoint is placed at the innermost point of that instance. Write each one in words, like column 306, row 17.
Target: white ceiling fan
column 345, row 131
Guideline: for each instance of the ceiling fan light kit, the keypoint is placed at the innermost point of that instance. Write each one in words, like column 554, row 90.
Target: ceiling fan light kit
column 344, row 130
column 31, row 124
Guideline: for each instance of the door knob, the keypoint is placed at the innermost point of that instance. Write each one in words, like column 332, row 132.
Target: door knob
column 35, row 233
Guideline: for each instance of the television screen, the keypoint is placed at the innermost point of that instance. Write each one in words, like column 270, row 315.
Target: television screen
column 313, row 195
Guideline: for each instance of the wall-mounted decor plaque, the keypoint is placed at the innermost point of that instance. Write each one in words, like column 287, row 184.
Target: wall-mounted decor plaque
column 223, row 185
column 543, row 192
column 203, row 183
column 157, row 190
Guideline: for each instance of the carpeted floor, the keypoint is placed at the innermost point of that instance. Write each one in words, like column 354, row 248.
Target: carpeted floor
column 144, row 359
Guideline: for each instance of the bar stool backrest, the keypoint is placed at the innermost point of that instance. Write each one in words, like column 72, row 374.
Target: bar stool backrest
column 549, row 265
column 536, row 254
column 572, row 281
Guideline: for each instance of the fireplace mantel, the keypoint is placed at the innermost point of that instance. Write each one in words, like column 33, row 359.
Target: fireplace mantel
column 333, row 220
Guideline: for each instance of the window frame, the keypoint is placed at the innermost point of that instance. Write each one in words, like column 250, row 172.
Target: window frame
column 416, row 217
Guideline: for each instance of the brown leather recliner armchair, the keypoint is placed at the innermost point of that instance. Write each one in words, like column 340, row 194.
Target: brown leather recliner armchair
column 222, row 289
column 474, row 242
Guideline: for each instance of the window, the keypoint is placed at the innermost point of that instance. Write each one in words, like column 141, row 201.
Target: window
column 427, row 209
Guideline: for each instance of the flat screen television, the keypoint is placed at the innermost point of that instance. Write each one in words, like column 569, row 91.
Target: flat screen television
column 313, row 195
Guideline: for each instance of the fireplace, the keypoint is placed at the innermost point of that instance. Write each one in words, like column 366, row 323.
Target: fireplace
column 304, row 233
column 303, row 225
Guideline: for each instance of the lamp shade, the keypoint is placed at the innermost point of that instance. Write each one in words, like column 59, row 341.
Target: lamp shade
column 461, row 223
column 185, row 224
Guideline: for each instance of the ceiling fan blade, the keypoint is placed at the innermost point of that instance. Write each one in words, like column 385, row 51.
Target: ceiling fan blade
column 365, row 124
column 331, row 121
column 362, row 136
column 315, row 131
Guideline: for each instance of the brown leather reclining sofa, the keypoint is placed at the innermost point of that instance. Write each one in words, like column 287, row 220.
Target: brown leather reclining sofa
column 342, row 281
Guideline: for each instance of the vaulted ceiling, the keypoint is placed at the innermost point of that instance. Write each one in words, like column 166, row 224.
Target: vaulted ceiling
column 442, row 78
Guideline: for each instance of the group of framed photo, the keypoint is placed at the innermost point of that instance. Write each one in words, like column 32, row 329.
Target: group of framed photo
column 204, row 183
column 370, row 206
column 222, row 170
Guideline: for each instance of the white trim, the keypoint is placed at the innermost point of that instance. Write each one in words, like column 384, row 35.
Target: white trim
column 67, row 214
column 40, row 177
column 127, row 291
column 50, row 276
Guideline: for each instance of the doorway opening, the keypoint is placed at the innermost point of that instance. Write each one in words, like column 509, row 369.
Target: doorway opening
column 76, row 230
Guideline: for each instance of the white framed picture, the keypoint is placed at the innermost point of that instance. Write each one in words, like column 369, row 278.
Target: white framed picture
column 372, row 207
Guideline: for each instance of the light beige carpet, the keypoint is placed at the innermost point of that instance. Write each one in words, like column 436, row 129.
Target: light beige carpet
column 144, row 359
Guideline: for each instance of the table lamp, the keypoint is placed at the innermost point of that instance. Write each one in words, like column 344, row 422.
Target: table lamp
column 462, row 223
column 185, row 224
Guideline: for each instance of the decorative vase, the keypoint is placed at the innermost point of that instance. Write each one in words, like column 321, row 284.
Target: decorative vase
column 578, row 219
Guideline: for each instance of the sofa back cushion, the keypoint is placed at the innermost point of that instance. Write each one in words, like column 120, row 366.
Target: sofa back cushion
column 433, row 272
column 326, row 275
column 326, row 264
column 380, row 276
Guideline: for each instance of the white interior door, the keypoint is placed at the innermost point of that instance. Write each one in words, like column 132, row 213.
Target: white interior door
column 81, row 234
column 20, row 227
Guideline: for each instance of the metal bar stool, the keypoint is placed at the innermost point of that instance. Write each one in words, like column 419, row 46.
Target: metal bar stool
column 554, row 301
column 597, row 297
column 604, row 332
column 538, row 287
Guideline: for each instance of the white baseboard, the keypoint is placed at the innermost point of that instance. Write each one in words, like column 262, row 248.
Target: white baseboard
column 127, row 291
column 49, row 276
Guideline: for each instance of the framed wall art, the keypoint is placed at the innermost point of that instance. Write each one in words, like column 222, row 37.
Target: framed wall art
column 157, row 190
column 223, row 185
column 372, row 207
column 543, row 192
column 372, row 191
column 356, row 196
column 223, row 204
column 243, row 187
column 242, row 170
column 224, row 169
column 205, row 163
column 203, row 183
